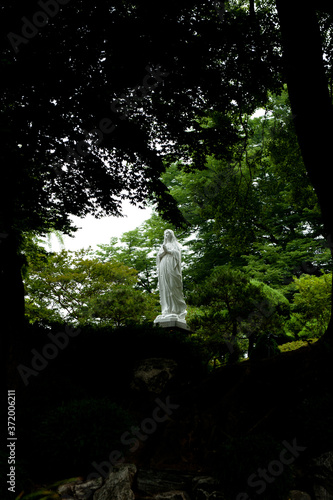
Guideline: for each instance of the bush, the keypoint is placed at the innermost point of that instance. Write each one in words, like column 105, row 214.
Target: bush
column 70, row 437
column 291, row 346
column 311, row 307
column 235, row 310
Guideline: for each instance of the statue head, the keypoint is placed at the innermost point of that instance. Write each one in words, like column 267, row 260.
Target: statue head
column 169, row 237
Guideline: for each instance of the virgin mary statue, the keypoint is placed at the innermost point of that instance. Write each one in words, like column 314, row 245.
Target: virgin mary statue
column 170, row 281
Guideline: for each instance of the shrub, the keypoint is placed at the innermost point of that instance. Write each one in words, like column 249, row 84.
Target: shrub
column 234, row 311
column 291, row 346
column 311, row 307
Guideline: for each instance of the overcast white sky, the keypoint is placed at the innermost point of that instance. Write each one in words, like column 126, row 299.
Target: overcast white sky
column 97, row 231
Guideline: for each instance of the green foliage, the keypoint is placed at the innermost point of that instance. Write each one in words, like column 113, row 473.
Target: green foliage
column 234, row 311
column 197, row 194
column 137, row 249
column 235, row 217
column 124, row 305
column 311, row 306
column 276, row 265
column 255, row 196
column 291, row 346
column 278, row 302
column 77, row 287
column 257, row 210
column 70, row 437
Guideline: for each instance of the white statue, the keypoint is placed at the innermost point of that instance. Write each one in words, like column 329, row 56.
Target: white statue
column 170, row 281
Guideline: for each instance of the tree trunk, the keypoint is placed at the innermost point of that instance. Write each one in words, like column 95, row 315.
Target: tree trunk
column 310, row 100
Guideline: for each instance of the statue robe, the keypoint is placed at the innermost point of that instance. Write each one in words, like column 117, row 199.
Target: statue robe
column 170, row 281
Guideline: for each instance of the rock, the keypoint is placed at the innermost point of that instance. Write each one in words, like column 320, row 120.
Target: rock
column 173, row 485
column 153, row 482
column 85, row 490
column 205, row 487
column 298, row 495
column 172, row 495
column 323, row 476
column 152, row 375
column 118, row 484
column 321, row 493
column 67, row 490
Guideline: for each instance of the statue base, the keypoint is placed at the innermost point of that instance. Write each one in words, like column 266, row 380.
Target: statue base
column 171, row 321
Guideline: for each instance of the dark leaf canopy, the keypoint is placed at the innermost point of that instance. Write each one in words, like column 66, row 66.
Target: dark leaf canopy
column 97, row 97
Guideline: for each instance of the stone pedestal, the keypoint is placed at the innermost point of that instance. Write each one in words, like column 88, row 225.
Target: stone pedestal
column 171, row 321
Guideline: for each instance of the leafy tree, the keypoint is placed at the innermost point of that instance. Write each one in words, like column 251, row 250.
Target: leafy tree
column 67, row 119
column 137, row 249
column 235, row 311
column 311, row 306
column 193, row 191
column 259, row 211
column 75, row 287
column 182, row 86
column 277, row 267
column 122, row 306
column 131, row 250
